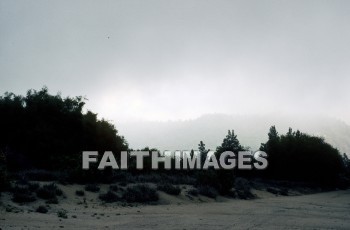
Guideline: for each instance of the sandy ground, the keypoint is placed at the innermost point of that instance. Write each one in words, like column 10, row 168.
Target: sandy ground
column 329, row 210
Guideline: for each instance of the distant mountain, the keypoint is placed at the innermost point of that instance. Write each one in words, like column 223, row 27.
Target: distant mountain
column 212, row 128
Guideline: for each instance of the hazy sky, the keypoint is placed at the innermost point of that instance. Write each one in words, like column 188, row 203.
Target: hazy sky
column 160, row 60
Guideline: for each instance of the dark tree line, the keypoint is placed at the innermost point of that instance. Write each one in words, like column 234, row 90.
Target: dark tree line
column 46, row 131
column 302, row 157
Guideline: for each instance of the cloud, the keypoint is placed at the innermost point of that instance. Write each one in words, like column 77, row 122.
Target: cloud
column 157, row 60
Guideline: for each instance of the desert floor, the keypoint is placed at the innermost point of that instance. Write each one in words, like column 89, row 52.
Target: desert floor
column 329, row 210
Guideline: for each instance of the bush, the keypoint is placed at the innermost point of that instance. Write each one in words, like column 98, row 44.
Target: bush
column 33, row 186
column 52, row 201
column 49, row 191
column 208, row 191
column 222, row 180
column 140, row 193
column 123, row 184
column 109, row 197
column 114, row 187
column 80, row 193
column 62, row 214
column 284, row 192
column 92, row 188
column 42, row 209
column 3, row 172
column 242, row 188
column 276, row 191
column 23, row 198
column 193, row 192
column 21, row 194
column 170, row 189
column 245, row 194
column 41, row 175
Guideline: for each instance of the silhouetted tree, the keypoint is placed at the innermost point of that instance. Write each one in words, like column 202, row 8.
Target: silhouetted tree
column 47, row 131
column 299, row 156
column 226, row 177
column 203, row 152
column 230, row 143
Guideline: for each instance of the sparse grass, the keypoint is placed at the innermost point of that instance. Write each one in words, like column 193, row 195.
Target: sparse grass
column 140, row 193
column 169, row 188
column 92, row 188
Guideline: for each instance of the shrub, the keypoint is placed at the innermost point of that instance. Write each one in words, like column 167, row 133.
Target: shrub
column 49, row 191
column 272, row 190
column 276, row 191
column 62, row 214
column 193, row 192
column 92, row 188
column 140, row 193
column 284, row 192
column 3, row 172
column 80, row 193
column 123, row 184
column 114, row 187
column 41, row 175
column 21, row 194
column 242, row 187
column 52, row 201
column 109, row 197
column 33, row 186
column 170, row 189
column 207, row 178
column 208, row 191
column 42, row 209
column 23, row 198
column 245, row 194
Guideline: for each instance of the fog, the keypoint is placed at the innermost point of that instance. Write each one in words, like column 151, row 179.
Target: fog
column 176, row 60
column 251, row 131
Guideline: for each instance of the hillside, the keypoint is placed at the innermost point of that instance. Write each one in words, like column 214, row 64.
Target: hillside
column 212, row 128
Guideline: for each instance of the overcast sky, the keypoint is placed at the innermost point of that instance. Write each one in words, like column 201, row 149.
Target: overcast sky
column 160, row 60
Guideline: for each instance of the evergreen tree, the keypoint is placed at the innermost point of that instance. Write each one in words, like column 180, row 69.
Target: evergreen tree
column 273, row 134
column 47, row 131
column 230, row 143
column 299, row 156
column 226, row 177
column 202, row 152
